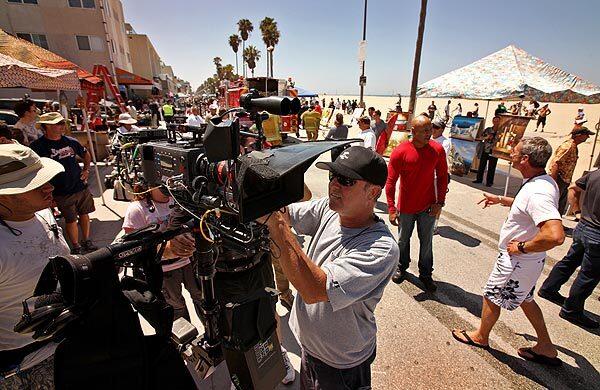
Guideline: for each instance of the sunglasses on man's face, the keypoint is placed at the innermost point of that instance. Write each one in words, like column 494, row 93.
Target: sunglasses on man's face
column 343, row 180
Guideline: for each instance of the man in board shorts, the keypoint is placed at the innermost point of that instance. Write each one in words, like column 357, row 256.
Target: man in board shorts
column 532, row 227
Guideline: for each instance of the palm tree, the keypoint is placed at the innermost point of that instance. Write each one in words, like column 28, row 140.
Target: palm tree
column 227, row 73
column 234, row 42
column 251, row 55
column 270, row 36
column 245, row 27
column 217, row 62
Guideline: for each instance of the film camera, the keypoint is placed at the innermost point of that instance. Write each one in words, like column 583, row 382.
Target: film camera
column 220, row 194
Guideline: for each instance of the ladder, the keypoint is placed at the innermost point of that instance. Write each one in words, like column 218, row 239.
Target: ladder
column 102, row 72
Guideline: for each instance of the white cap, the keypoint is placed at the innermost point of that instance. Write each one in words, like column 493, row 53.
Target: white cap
column 126, row 119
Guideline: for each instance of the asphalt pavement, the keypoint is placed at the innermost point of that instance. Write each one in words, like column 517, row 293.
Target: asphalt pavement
column 415, row 348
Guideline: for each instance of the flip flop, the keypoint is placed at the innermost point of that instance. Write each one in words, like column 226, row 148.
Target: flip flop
column 469, row 340
column 536, row 357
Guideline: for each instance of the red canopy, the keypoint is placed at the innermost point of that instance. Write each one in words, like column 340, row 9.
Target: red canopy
column 127, row 78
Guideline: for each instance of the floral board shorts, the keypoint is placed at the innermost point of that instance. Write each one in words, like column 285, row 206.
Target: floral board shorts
column 38, row 377
column 512, row 281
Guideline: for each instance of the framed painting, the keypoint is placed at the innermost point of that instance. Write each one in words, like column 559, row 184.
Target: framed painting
column 509, row 133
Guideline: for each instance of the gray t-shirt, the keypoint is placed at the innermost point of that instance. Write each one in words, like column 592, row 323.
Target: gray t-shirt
column 378, row 128
column 337, row 133
column 359, row 263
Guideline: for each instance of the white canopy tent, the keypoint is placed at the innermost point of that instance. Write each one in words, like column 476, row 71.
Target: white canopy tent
column 512, row 73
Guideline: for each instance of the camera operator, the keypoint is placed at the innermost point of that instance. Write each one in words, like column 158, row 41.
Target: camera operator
column 341, row 278
column 29, row 235
column 152, row 206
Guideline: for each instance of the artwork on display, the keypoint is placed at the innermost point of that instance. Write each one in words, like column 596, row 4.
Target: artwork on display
column 462, row 155
column 326, row 116
column 397, row 128
column 400, row 121
column 509, row 133
column 356, row 114
column 396, row 139
column 466, row 128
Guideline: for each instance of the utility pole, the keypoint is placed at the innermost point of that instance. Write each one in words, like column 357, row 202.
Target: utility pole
column 417, row 63
column 362, row 81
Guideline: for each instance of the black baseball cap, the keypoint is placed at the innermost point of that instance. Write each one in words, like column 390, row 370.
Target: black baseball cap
column 360, row 163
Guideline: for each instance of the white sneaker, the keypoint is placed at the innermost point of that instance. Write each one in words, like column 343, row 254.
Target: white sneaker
column 290, row 373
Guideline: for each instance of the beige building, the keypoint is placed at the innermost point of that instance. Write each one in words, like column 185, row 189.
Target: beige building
column 73, row 29
column 145, row 60
column 167, row 79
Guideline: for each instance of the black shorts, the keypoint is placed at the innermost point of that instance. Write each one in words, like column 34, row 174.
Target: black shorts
column 316, row 374
column 541, row 120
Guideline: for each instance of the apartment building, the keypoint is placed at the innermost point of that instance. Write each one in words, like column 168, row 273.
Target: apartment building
column 73, row 29
column 145, row 60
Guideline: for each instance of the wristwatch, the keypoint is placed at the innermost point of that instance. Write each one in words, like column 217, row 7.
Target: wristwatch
column 521, row 247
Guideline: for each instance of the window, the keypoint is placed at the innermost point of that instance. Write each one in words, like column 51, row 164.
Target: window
column 83, row 42
column 23, row 1
column 37, row 39
column 90, row 42
column 97, row 43
column 82, row 3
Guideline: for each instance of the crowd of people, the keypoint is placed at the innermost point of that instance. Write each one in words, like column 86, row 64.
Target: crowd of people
column 352, row 255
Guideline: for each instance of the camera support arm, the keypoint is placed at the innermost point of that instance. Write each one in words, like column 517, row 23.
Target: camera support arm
column 205, row 257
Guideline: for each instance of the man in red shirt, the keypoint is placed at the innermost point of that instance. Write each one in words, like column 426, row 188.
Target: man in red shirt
column 415, row 162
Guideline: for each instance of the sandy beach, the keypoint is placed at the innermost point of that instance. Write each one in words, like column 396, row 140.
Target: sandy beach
column 558, row 125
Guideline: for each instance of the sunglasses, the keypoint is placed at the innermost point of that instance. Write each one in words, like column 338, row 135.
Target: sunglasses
column 343, row 180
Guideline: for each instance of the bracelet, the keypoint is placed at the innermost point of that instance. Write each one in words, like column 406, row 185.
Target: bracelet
column 499, row 199
column 521, row 247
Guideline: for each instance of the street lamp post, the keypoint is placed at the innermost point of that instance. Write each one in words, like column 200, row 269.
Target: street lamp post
column 362, row 80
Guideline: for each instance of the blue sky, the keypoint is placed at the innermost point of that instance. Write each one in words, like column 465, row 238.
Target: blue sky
column 319, row 39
